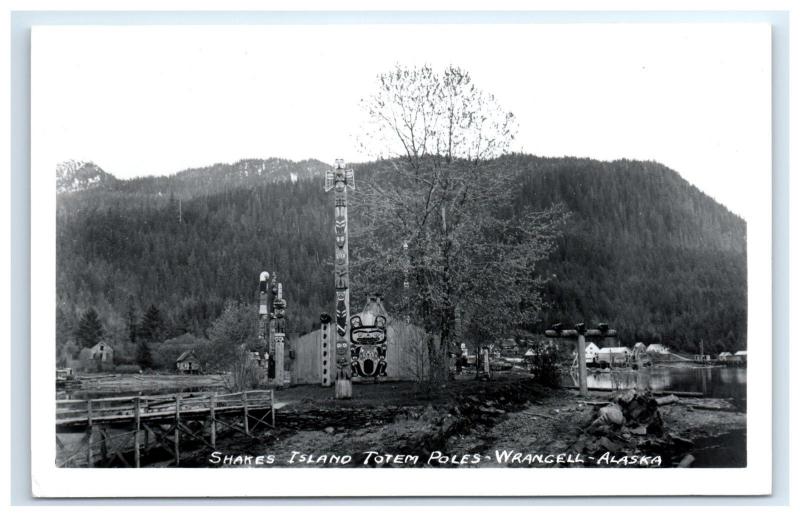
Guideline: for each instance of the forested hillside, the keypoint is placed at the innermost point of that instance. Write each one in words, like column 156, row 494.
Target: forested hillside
column 643, row 249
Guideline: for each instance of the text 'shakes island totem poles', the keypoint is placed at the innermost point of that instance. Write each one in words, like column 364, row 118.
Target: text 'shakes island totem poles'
column 340, row 180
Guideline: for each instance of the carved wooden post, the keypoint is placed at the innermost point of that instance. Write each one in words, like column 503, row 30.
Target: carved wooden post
column 580, row 333
column 582, row 364
column 325, row 350
column 263, row 315
column 279, row 307
column 339, row 180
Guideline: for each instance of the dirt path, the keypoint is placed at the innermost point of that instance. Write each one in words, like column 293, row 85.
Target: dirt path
column 507, row 422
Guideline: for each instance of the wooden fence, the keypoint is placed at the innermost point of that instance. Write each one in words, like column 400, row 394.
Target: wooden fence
column 119, row 430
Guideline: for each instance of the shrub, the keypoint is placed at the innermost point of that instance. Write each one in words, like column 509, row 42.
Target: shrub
column 544, row 365
column 243, row 373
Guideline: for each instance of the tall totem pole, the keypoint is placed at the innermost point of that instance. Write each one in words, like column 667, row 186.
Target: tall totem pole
column 340, row 180
column 279, row 330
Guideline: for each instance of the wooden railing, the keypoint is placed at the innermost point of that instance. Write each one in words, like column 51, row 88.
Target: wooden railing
column 110, row 409
column 162, row 416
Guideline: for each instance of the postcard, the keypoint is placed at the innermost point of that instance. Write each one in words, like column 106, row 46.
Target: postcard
column 391, row 259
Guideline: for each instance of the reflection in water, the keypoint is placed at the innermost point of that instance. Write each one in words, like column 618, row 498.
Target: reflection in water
column 721, row 382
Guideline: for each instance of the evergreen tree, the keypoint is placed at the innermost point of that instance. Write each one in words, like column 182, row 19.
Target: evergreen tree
column 131, row 320
column 144, row 357
column 152, row 327
column 90, row 329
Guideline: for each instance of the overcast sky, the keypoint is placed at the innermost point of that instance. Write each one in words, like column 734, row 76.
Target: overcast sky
column 156, row 100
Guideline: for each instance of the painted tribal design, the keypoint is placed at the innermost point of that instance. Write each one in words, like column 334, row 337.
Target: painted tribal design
column 341, row 314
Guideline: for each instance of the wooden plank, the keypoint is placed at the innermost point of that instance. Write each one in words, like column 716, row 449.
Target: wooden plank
column 177, row 435
column 137, row 426
column 212, row 414
column 653, row 392
column 244, row 413
column 89, row 456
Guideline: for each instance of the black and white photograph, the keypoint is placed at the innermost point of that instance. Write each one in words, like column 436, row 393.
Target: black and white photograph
column 482, row 252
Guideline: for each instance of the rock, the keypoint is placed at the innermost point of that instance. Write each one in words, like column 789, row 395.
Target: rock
column 639, row 430
column 611, row 414
column 447, row 424
column 675, row 439
column 663, row 401
column 686, row 461
column 329, row 430
column 605, row 443
column 625, row 397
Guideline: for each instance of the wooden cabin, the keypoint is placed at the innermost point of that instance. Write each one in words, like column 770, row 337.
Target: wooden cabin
column 188, row 362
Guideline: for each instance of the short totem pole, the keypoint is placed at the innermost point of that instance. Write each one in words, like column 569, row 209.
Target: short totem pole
column 325, row 349
column 264, row 313
column 340, row 180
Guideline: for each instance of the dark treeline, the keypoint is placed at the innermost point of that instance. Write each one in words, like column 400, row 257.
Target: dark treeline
column 643, row 249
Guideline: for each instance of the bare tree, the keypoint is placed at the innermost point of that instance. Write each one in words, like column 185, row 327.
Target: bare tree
column 244, row 373
column 443, row 193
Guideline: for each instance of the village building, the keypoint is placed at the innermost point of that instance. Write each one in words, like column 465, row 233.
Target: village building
column 614, row 355
column 592, row 353
column 406, row 354
column 188, row 362
column 261, row 360
column 99, row 357
column 657, row 348
column 102, row 351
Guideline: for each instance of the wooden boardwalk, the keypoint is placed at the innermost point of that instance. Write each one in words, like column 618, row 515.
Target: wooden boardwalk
column 120, row 431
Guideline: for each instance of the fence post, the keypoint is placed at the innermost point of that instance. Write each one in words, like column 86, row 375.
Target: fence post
column 138, row 427
column 272, row 405
column 213, row 422
column 90, row 429
column 177, row 429
column 244, row 409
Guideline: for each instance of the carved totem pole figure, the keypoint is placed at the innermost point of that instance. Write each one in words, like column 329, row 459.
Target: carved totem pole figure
column 278, row 330
column 325, row 349
column 368, row 338
column 264, row 313
column 340, row 180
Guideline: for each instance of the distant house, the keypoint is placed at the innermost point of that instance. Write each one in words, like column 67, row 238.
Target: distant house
column 592, row 353
column 509, row 347
column 97, row 358
column 704, row 358
column 188, row 362
column 657, row 348
column 102, row 351
column 724, row 356
column 258, row 358
column 614, row 355
column 742, row 355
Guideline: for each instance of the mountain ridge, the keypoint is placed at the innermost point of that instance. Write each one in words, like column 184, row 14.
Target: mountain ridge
column 645, row 250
